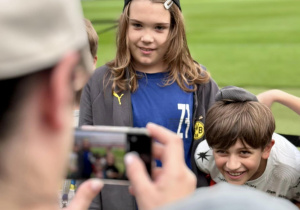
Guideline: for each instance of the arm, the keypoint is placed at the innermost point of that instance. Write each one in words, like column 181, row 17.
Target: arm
column 172, row 182
column 286, row 99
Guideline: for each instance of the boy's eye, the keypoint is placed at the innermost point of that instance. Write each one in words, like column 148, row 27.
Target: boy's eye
column 220, row 151
column 245, row 152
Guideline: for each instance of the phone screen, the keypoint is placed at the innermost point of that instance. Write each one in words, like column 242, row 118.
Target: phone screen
column 100, row 153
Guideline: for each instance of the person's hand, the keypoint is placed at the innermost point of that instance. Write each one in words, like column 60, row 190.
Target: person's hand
column 85, row 194
column 172, row 182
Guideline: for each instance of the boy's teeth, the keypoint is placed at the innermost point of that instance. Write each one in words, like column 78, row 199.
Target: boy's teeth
column 235, row 174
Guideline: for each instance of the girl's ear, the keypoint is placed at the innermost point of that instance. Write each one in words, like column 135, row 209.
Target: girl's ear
column 267, row 149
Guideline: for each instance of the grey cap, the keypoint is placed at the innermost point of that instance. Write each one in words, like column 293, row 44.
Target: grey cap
column 234, row 94
column 36, row 34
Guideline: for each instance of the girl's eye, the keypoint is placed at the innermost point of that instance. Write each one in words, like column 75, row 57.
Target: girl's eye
column 136, row 25
column 160, row 28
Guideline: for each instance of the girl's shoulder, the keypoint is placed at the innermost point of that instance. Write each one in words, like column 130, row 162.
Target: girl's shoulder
column 211, row 82
column 101, row 71
column 100, row 77
column 210, row 87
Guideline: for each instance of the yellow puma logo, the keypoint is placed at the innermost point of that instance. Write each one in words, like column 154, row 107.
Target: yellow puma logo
column 118, row 97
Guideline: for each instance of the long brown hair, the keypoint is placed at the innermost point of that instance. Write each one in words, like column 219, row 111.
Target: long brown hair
column 183, row 69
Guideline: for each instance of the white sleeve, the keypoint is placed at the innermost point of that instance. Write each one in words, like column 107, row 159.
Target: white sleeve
column 204, row 157
column 289, row 156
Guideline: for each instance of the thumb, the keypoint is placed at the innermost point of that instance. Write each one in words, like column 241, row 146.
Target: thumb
column 85, row 194
column 137, row 173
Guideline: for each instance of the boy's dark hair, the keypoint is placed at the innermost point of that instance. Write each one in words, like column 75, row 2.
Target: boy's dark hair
column 238, row 116
column 8, row 90
column 14, row 92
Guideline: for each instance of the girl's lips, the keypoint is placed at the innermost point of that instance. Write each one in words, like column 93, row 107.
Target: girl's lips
column 146, row 51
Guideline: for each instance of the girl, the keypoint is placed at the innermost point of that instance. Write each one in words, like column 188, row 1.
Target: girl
column 153, row 77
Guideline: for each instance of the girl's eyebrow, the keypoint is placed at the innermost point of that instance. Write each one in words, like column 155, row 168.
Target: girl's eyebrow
column 137, row 21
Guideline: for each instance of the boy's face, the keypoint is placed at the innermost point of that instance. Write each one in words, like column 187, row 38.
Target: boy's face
column 148, row 30
column 240, row 163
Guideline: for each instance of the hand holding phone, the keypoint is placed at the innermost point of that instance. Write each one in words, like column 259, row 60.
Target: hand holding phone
column 171, row 182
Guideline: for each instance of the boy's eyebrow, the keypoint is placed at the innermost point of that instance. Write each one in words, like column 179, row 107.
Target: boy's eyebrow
column 218, row 148
column 137, row 21
column 245, row 147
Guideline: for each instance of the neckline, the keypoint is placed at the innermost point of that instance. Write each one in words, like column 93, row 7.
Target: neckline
column 158, row 75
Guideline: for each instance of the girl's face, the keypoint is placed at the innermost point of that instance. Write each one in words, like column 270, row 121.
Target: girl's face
column 148, row 30
column 240, row 164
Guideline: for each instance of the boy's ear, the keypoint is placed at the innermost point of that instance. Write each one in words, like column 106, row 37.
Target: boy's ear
column 95, row 62
column 267, row 149
column 59, row 92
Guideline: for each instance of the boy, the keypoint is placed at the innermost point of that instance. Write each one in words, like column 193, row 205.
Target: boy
column 241, row 147
column 93, row 40
column 93, row 44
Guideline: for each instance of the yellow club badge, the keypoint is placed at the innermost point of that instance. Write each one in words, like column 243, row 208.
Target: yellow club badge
column 199, row 130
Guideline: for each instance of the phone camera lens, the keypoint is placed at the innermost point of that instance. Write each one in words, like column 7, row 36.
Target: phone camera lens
column 133, row 139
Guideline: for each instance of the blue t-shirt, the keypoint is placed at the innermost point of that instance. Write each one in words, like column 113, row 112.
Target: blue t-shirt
column 168, row 106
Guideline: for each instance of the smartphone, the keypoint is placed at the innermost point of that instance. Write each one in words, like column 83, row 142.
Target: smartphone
column 99, row 151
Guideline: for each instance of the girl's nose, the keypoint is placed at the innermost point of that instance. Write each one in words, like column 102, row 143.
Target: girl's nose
column 147, row 38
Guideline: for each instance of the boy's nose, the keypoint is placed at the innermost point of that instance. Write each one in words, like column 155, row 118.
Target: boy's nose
column 233, row 163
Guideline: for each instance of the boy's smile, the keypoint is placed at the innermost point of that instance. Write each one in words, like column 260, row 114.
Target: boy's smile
column 148, row 30
column 241, row 163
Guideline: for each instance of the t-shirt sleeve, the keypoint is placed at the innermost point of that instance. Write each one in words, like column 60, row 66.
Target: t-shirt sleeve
column 289, row 168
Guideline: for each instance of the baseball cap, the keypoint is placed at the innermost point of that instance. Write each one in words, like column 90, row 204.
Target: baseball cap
column 36, row 34
column 234, row 94
column 175, row 1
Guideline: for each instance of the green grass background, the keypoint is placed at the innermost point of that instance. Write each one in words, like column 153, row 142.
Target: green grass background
column 253, row 44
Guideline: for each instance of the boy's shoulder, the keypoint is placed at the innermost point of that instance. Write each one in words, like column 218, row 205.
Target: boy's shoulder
column 285, row 158
column 204, row 157
column 284, row 148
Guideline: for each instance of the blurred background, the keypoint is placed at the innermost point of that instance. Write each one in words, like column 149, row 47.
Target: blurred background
column 254, row 44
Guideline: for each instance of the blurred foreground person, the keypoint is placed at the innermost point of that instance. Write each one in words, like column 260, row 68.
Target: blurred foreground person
column 43, row 49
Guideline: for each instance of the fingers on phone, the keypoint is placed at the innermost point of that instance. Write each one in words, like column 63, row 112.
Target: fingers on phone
column 133, row 165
